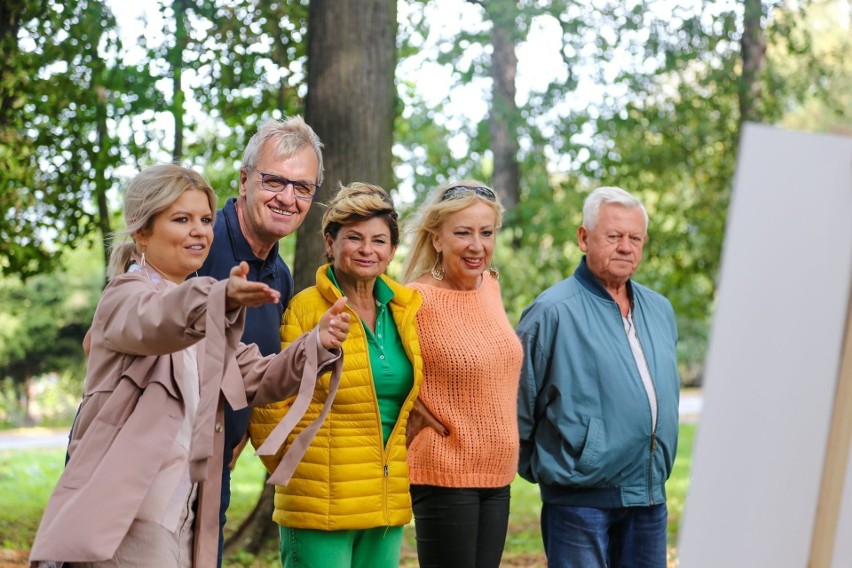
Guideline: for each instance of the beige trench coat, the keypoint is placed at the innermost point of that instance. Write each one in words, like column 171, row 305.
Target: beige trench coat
column 133, row 408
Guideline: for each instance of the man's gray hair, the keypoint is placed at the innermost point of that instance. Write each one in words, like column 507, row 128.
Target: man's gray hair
column 604, row 195
column 288, row 137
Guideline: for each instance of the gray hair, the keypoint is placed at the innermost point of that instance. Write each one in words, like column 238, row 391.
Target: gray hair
column 151, row 192
column 289, row 136
column 604, row 195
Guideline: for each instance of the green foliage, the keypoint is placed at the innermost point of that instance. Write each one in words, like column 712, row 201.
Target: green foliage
column 649, row 100
column 75, row 109
column 42, row 325
column 58, row 138
column 244, row 61
column 659, row 115
column 826, row 104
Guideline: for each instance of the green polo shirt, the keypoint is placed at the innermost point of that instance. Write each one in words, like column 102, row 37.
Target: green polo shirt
column 392, row 372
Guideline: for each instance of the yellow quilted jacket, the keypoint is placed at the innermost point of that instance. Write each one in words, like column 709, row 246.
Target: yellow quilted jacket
column 348, row 479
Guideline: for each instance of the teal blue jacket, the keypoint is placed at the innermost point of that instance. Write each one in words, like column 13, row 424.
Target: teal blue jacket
column 586, row 430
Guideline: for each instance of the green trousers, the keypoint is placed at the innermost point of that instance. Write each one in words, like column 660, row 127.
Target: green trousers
column 368, row 548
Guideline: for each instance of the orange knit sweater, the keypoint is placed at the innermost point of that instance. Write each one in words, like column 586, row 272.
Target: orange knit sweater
column 471, row 367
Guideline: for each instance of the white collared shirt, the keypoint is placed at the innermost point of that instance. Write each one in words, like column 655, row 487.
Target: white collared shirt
column 642, row 364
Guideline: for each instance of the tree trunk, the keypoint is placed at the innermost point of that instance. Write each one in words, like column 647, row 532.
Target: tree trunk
column 257, row 530
column 99, row 163
column 351, row 104
column 180, row 9
column 503, row 119
column 753, row 48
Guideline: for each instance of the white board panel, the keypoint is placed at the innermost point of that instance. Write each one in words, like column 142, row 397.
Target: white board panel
column 774, row 353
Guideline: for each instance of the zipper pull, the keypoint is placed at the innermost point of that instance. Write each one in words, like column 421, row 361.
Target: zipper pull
column 386, row 470
column 653, row 442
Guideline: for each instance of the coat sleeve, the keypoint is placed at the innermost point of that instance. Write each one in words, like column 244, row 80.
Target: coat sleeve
column 264, row 418
column 136, row 318
column 274, row 378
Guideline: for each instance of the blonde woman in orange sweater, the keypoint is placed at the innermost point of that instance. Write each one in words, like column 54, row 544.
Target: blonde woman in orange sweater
column 463, row 431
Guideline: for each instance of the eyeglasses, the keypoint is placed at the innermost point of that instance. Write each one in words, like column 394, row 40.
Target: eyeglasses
column 276, row 184
column 460, row 190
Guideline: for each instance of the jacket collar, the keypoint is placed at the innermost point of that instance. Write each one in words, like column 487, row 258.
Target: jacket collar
column 241, row 247
column 593, row 284
column 402, row 295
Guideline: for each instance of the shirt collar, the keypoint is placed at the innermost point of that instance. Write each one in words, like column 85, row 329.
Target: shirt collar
column 242, row 249
column 381, row 291
column 591, row 282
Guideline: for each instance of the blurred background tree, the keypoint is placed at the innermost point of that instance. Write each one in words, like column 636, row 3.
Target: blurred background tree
column 544, row 99
column 42, row 325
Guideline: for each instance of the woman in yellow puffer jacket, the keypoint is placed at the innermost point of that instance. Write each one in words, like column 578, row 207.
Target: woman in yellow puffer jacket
column 348, row 500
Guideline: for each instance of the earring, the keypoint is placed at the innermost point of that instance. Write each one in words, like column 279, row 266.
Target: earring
column 495, row 274
column 438, row 269
column 142, row 261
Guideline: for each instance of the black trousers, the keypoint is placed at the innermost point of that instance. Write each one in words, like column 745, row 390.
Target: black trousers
column 460, row 527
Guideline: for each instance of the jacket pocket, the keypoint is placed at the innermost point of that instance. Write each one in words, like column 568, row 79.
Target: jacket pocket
column 88, row 453
column 99, row 436
column 592, row 447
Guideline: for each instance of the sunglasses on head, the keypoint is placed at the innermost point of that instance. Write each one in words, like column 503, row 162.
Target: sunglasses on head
column 461, row 190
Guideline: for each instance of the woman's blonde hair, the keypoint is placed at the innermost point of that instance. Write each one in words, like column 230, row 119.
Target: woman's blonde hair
column 151, row 192
column 358, row 202
column 443, row 202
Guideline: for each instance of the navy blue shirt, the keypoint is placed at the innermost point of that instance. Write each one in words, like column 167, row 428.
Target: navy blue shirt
column 262, row 323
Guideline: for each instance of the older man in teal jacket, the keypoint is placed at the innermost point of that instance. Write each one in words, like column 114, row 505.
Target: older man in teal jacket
column 598, row 400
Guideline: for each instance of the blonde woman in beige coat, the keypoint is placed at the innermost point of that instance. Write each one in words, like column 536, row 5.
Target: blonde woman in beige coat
column 141, row 488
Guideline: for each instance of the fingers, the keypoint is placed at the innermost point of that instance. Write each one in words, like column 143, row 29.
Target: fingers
column 250, row 294
column 339, row 321
column 336, row 327
column 259, row 296
column 339, row 306
column 436, row 425
column 240, row 270
column 428, row 419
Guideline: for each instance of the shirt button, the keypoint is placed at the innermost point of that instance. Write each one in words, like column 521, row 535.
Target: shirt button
column 381, row 356
column 219, row 427
column 380, row 336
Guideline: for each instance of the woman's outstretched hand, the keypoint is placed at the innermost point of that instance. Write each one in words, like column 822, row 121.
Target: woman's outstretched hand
column 241, row 292
column 334, row 325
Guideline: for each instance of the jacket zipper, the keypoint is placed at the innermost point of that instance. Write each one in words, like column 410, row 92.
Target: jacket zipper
column 653, row 444
column 384, row 452
column 651, row 468
column 406, row 323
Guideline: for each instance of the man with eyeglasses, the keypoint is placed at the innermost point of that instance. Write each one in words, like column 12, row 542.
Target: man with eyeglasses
column 598, row 399
column 282, row 169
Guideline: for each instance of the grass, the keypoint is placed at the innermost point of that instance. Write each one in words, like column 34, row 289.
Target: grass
column 27, row 477
column 26, row 480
